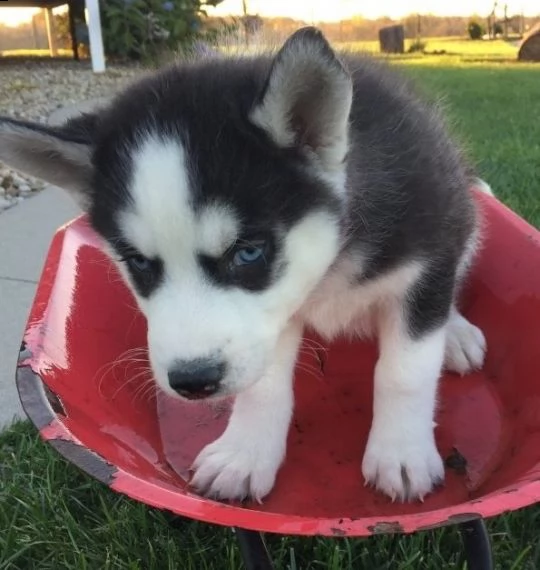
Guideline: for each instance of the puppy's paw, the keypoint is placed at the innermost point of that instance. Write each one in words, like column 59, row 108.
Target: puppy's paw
column 465, row 346
column 237, row 467
column 403, row 467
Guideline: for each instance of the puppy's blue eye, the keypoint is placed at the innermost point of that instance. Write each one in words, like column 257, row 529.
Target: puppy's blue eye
column 139, row 263
column 248, row 255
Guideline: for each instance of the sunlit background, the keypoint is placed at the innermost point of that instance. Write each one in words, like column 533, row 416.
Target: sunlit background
column 14, row 17
column 324, row 10
column 329, row 11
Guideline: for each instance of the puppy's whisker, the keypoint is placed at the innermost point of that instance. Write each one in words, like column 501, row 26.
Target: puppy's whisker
column 128, row 382
column 310, row 371
column 146, row 388
column 312, row 343
column 132, row 355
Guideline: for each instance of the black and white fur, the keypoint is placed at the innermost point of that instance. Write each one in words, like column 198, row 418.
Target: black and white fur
column 246, row 198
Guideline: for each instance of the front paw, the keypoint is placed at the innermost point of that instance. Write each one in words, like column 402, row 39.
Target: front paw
column 465, row 346
column 237, row 467
column 404, row 468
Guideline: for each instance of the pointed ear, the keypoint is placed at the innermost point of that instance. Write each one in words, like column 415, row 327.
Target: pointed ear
column 307, row 99
column 59, row 156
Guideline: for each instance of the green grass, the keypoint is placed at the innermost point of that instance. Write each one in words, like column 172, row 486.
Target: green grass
column 52, row 516
column 453, row 46
column 494, row 109
column 55, row 517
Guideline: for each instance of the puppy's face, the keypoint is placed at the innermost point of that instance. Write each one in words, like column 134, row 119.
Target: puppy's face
column 218, row 276
column 217, row 188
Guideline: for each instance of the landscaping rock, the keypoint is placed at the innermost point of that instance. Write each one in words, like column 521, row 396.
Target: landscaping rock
column 33, row 89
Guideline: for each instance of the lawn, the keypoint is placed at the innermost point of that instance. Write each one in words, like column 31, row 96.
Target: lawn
column 456, row 46
column 56, row 517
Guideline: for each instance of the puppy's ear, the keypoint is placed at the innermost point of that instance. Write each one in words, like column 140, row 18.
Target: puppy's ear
column 60, row 156
column 307, row 98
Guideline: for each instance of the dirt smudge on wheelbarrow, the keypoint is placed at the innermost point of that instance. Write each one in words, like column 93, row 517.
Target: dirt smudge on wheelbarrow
column 457, row 462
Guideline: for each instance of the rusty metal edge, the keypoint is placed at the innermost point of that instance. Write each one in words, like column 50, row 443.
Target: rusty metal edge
column 32, row 395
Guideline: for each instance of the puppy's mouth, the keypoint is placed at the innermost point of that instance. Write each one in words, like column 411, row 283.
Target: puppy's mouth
column 205, row 393
column 216, row 395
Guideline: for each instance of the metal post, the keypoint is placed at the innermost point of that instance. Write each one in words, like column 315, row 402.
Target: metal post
column 477, row 545
column 94, row 34
column 253, row 549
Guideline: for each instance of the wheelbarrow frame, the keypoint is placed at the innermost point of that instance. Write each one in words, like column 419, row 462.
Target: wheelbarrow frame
column 40, row 406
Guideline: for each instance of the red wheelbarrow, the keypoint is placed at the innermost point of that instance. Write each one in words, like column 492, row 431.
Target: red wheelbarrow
column 85, row 385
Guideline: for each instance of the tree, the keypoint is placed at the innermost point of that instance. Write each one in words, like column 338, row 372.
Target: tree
column 252, row 23
column 476, row 31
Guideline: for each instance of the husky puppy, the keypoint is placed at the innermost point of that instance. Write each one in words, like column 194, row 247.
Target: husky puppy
column 246, row 198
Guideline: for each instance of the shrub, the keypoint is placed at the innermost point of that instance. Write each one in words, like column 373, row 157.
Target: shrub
column 417, row 46
column 498, row 29
column 475, row 29
column 143, row 29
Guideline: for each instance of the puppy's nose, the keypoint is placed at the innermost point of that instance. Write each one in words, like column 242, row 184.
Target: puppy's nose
column 196, row 379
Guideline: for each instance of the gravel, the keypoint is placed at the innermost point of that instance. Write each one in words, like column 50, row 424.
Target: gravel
column 32, row 90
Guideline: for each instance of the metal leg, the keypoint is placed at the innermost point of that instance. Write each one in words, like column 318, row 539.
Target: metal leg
column 477, row 545
column 253, row 549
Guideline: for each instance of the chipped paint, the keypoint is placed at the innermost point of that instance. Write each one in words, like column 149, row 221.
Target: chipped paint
column 54, row 401
column 338, row 531
column 31, row 394
column 24, row 354
column 386, row 527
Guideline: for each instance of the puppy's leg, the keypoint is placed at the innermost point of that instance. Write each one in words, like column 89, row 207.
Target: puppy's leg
column 465, row 342
column 401, row 458
column 244, row 461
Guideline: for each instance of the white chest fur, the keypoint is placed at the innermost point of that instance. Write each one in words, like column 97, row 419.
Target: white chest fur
column 342, row 304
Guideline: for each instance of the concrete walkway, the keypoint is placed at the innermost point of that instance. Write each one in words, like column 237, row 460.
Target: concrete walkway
column 25, row 235
column 26, row 232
